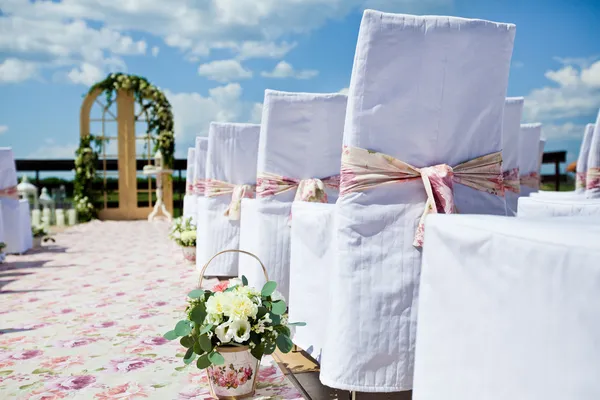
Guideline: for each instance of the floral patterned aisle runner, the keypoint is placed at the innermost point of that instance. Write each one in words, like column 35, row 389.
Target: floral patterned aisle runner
column 84, row 319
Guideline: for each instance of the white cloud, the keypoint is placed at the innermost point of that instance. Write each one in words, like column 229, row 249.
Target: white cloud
column 155, row 51
column 224, row 71
column 13, row 70
column 193, row 112
column 67, row 33
column 286, row 70
column 344, row 91
column 576, row 93
column 51, row 150
column 86, row 74
column 3, row 129
column 567, row 130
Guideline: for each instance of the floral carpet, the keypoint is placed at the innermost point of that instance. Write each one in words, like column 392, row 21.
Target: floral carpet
column 84, row 319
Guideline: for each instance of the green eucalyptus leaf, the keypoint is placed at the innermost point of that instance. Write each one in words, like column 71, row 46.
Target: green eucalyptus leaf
column 205, row 343
column 283, row 330
column 187, row 342
column 267, row 304
column 258, row 351
column 268, row 289
column 171, row 335
column 279, row 307
column 297, row 324
column 198, row 313
column 197, row 349
column 189, row 356
column 183, row 328
column 203, row 362
column 270, row 347
column 244, row 280
column 196, row 294
column 206, row 329
column 262, row 311
column 284, row 343
column 216, row 358
column 276, row 319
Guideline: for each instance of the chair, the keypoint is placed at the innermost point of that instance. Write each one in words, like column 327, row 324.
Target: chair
column 189, row 200
column 425, row 109
column 581, row 170
column 298, row 159
column 230, row 176
column 592, row 181
column 201, row 147
column 16, row 221
column 529, row 157
column 520, row 324
column 557, row 207
column 511, row 124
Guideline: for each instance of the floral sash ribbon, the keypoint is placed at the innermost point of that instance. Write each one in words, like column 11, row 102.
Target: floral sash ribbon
column 592, row 180
column 511, row 180
column 189, row 189
column 216, row 188
column 10, row 192
column 363, row 169
column 310, row 190
column 580, row 178
column 199, row 187
column 531, row 180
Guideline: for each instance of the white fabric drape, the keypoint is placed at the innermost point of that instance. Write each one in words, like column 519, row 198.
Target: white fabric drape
column 499, row 324
column 301, row 138
column 201, row 154
column 529, row 153
column 425, row 90
column 594, row 163
column 557, row 207
column 232, row 150
column 511, row 124
column 189, row 200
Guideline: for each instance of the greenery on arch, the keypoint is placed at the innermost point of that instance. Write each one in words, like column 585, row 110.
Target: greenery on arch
column 158, row 116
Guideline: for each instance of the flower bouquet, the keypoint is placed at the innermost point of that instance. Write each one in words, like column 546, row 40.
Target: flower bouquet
column 229, row 328
column 40, row 234
column 2, row 255
column 183, row 233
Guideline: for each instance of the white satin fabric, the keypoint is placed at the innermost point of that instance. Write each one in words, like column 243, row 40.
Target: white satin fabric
column 425, row 90
column 557, row 207
column 529, row 152
column 301, row 138
column 232, row 152
column 189, row 200
column 519, row 324
column 511, row 125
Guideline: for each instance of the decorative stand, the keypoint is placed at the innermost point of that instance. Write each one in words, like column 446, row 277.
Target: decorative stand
column 152, row 170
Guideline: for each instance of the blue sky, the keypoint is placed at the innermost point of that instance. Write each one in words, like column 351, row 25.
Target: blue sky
column 214, row 59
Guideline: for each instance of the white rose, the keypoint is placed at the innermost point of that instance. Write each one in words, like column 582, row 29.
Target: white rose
column 235, row 282
column 218, row 303
column 242, row 307
column 240, row 330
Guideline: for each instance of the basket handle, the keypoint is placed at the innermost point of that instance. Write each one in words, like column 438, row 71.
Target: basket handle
column 231, row 251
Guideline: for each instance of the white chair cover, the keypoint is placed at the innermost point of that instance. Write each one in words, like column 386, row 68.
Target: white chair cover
column 529, row 153
column 232, row 150
column 582, row 162
column 312, row 257
column 594, row 163
column 199, row 184
column 425, row 90
column 511, row 124
column 557, row 207
column 16, row 220
column 519, row 324
column 189, row 200
column 301, row 138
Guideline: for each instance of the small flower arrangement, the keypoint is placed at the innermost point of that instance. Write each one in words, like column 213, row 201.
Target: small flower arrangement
column 233, row 315
column 183, row 232
column 2, row 255
column 39, row 231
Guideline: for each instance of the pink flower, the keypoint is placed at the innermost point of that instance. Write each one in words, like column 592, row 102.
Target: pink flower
column 26, row 354
column 128, row 365
column 137, row 349
column 123, row 392
column 76, row 342
column 45, row 394
column 6, row 363
column 106, row 324
column 155, row 341
column 219, row 287
column 75, row 382
column 193, row 393
column 61, row 363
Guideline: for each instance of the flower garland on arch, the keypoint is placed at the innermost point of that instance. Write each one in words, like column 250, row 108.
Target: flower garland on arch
column 158, row 116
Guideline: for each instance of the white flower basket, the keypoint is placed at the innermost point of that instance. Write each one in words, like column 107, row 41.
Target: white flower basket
column 189, row 254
